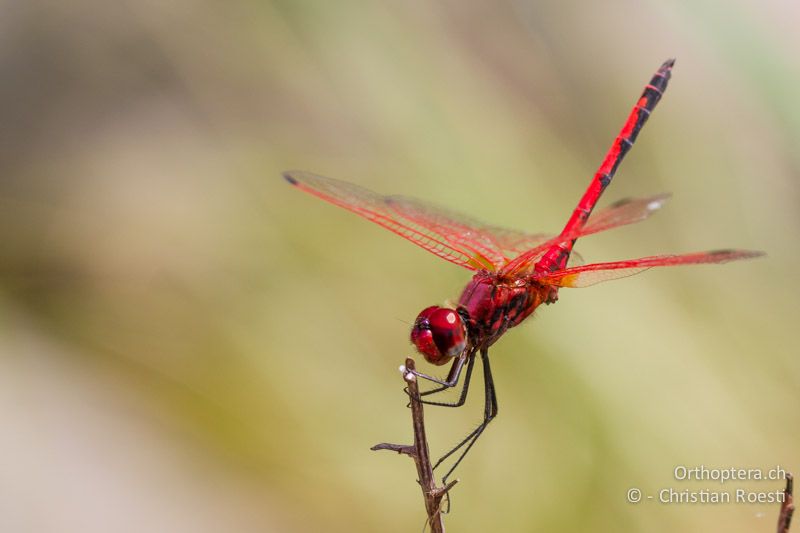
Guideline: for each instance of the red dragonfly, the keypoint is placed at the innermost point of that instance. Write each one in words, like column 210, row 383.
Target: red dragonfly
column 515, row 272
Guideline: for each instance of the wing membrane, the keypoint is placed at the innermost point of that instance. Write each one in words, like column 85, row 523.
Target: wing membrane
column 459, row 238
column 624, row 212
column 620, row 213
column 459, row 230
column 586, row 275
column 449, row 235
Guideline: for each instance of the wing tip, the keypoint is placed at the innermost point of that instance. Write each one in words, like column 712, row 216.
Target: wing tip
column 733, row 254
column 653, row 202
column 658, row 201
column 663, row 197
column 287, row 175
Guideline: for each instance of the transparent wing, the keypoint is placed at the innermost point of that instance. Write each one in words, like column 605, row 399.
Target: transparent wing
column 449, row 235
column 620, row 213
column 586, row 275
column 493, row 242
column 456, row 237
column 502, row 244
column 514, row 242
column 624, row 212
column 459, row 230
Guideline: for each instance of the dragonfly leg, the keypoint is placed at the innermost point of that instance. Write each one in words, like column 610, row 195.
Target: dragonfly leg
column 489, row 413
column 452, row 377
column 464, row 389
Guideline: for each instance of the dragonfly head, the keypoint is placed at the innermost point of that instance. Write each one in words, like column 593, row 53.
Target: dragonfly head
column 439, row 334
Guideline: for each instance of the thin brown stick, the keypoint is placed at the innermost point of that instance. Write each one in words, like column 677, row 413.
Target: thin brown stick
column 432, row 494
column 787, row 506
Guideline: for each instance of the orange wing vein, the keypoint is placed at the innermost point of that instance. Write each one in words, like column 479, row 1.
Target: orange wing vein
column 586, row 275
column 447, row 235
column 620, row 213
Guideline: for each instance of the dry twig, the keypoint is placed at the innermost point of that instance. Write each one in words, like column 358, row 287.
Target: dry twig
column 432, row 494
column 787, row 506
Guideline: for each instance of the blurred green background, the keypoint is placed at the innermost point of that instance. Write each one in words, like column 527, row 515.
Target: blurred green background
column 189, row 344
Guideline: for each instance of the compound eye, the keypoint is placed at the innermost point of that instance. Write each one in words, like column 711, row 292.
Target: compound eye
column 439, row 334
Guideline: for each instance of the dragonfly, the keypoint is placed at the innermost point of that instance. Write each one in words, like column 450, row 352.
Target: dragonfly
column 515, row 272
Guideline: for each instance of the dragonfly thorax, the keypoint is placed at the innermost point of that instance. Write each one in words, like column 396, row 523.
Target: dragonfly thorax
column 493, row 305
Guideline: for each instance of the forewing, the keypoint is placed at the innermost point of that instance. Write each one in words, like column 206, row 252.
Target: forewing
column 620, row 213
column 459, row 238
column 429, row 228
column 459, row 230
column 514, row 243
column 586, row 275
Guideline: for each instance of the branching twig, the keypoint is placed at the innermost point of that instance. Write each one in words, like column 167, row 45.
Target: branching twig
column 419, row 452
column 787, row 506
column 433, row 495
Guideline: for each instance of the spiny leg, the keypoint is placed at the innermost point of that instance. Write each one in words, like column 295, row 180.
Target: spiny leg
column 452, row 376
column 464, row 389
column 489, row 413
column 462, row 398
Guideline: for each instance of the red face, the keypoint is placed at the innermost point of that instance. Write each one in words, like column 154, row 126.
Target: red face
column 439, row 334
